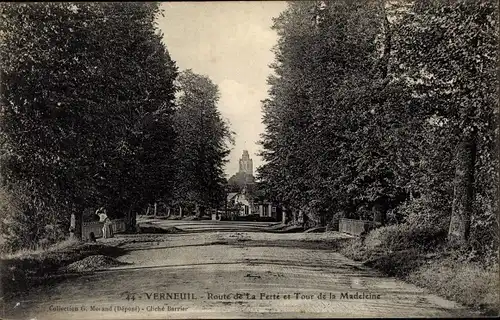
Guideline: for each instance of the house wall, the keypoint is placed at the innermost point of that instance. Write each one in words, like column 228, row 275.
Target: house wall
column 266, row 210
column 247, row 207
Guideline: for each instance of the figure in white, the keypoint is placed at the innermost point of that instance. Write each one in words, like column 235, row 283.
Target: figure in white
column 107, row 230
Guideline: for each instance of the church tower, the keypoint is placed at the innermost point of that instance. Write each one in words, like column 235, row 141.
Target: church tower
column 246, row 164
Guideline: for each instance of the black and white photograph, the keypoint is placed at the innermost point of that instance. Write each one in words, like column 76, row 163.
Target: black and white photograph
column 249, row 159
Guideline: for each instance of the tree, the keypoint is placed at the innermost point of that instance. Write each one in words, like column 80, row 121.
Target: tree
column 325, row 119
column 84, row 82
column 202, row 140
column 39, row 95
column 144, row 139
column 448, row 52
column 239, row 180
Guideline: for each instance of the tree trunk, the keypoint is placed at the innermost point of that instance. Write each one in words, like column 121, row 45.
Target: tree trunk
column 322, row 218
column 181, row 213
column 379, row 213
column 463, row 191
column 155, row 211
column 225, row 206
column 131, row 221
column 168, row 211
column 75, row 229
column 197, row 210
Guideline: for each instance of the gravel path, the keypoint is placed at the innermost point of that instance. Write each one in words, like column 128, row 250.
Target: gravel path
column 235, row 274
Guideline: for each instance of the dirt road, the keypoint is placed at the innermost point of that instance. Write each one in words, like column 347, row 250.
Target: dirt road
column 218, row 271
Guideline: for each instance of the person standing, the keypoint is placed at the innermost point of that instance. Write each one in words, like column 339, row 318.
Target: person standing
column 107, row 230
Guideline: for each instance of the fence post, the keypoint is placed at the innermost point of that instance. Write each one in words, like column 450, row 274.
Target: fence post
column 76, row 226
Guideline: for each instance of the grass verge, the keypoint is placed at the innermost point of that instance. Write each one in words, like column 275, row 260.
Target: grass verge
column 441, row 272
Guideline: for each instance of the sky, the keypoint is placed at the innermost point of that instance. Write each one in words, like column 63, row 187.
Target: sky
column 231, row 43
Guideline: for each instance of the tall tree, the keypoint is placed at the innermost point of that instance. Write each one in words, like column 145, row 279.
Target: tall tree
column 325, row 117
column 79, row 84
column 448, row 52
column 202, row 143
column 144, row 91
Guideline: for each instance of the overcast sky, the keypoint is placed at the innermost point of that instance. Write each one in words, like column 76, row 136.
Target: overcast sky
column 230, row 42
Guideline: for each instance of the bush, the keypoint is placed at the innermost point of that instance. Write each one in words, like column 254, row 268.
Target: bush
column 416, row 250
column 426, row 211
column 392, row 262
column 26, row 223
column 424, row 227
column 397, row 263
column 484, row 229
column 354, row 249
column 406, row 236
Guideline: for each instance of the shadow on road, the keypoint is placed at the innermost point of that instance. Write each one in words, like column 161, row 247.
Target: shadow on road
column 210, row 226
column 251, row 262
column 228, row 229
column 331, row 245
column 180, row 246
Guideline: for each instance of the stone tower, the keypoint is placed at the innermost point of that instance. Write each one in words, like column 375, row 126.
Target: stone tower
column 246, row 164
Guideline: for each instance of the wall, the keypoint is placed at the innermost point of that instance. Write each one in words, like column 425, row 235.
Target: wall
column 355, row 227
column 118, row 226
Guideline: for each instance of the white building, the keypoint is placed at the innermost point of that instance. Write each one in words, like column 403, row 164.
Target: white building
column 240, row 200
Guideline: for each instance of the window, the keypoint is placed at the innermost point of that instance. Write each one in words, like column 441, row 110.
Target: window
column 265, row 210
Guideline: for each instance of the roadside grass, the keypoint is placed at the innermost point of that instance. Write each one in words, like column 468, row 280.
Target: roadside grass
column 39, row 250
column 24, row 269
column 441, row 271
column 469, row 283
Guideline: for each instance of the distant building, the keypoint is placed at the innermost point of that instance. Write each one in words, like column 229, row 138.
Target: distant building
column 250, row 202
column 244, row 176
column 240, row 204
column 268, row 209
column 243, row 198
column 246, row 164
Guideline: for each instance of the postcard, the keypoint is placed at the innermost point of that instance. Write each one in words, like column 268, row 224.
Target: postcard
column 251, row 159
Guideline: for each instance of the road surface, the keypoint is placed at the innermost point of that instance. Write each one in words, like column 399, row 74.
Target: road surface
column 227, row 270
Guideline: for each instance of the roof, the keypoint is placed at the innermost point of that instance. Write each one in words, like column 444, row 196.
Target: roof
column 231, row 195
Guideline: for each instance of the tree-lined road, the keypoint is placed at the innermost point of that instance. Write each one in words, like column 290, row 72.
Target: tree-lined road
column 285, row 273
